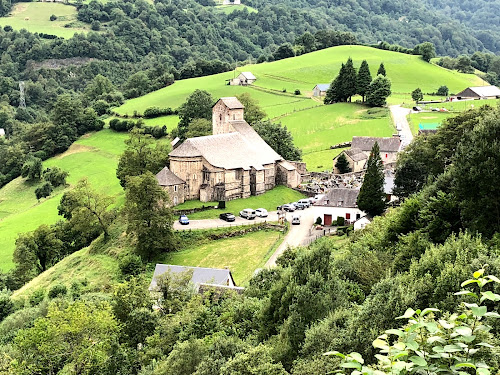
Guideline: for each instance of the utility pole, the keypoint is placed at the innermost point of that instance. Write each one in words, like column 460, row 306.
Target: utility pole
column 22, row 100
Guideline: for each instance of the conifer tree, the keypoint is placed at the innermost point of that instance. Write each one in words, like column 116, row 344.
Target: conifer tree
column 342, row 164
column 378, row 91
column 334, row 92
column 371, row 198
column 363, row 79
column 381, row 70
column 349, row 80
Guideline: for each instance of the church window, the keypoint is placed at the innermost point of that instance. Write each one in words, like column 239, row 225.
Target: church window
column 220, row 117
column 234, row 116
column 194, row 177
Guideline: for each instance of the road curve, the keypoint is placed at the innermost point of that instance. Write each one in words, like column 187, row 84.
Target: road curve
column 399, row 117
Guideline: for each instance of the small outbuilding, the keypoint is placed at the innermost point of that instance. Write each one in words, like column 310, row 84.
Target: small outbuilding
column 320, row 89
column 362, row 222
column 339, row 202
column 174, row 186
column 355, row 157
column 389, row 146
column 2, row 132
column 243, row 79
column 479, row 92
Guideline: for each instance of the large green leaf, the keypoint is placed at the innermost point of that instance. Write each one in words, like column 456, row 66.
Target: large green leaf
column 479, row 311
column 419, row 361
column 490, row 296
column 408, row 314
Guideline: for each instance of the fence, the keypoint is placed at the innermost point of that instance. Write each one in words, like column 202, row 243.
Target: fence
column 314, row 236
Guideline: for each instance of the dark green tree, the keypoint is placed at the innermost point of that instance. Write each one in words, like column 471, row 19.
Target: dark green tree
column 44, row 190
column 142, row 154
column 464, row 65
column 378, row 91
column 99, row 87
column 136, row 85
column 363, row 79
column 199, row 127
column 32, row 169
column 381, row 70
column 283, row 51
column 349, row 79
column 149, row 219
column 56, row 176
column 371, row 198
column 335, row 92
column 427, row 50
column 197, row 105
column 417, row 95
column 443, row 91
column 279, row 138
column 253, row 112
column 342, row 164
column 306, row 40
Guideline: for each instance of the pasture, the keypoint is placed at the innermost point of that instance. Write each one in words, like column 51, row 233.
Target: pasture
column 228, row 9
column 35, row 17
column 93, row 156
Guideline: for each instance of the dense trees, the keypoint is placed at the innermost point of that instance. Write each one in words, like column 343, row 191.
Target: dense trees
column 198, row 105
column 253, row 112
column 378, row 91
column 371, row 198
column 279, row 138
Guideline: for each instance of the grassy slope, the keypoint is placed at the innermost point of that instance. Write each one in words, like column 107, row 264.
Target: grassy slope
column 269, row 200
column 94, row 156
column 39, row 14
column 243, row 255
column 228, row 9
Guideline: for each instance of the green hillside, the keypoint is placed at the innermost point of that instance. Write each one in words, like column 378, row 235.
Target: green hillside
column 35, row 17
column 94, row 156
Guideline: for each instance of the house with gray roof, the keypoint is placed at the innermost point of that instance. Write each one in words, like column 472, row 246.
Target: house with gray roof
column 174, row 186
column 234, row 162
column 320, row 89
column 243, row 79
column 339, row 202
column 389, row 146
column 479, row 92
column 355, row 157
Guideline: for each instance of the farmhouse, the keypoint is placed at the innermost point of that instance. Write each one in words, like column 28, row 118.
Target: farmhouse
column 355, row 157
column 389, row 146
column 234, row 162
column 479, row 92
column 243, row 79
column 174, row 186
column 320, row 89
column 340, row 202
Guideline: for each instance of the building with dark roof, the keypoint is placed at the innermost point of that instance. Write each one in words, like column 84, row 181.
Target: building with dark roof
column 340, row 202
column 479, row 92
column 234, row 162
column 389, row 146
column 174, row 186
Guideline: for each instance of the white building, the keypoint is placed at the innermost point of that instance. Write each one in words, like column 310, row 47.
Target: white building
column 339, row 203
column 243, row 79
column 362, row 222
column 320, row 89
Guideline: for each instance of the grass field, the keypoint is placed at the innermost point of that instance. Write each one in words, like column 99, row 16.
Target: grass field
column 427, row 118
column 35, row 17
column 94, row 156
column 228, row 9
column 269, row 200
column 243, row 255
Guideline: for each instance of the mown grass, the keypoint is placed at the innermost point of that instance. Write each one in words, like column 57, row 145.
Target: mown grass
column 242, row 255
column 228, row 9
column 94, row 156
column 269, row 200
column 415, row 119
column 35, row 17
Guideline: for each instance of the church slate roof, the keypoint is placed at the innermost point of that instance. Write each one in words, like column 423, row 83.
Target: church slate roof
column 387, row 144
column 201, row 275
column 232, row 102
column 166, row 178
column 241, row 149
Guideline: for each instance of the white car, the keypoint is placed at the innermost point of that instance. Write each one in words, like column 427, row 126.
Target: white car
column 248, row 213
column 261, row 212
column 296, row 219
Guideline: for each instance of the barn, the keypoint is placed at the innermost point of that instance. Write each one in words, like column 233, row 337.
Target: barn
column 243, row 79
column 479, row 92
column 320, row 89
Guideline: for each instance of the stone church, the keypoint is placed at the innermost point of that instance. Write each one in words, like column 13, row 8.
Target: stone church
column 234, row 162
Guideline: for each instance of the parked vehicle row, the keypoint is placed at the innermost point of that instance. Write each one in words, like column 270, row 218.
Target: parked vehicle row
column 300, row 205
column 249, row 213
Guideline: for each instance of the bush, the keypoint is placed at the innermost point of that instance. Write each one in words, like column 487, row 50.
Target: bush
column 37, row 297
column 131, row 265
column 152, row 112
column 319, row 221
column 44, row 191
column 55, row 176
column 58, row 290
column 297, row 92
column 6, row 305
column 340, row 220
column 53, row 17
column 443, row 91
column 95, row 25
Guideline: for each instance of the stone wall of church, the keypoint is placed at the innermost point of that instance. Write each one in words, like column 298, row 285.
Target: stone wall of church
column 221, row 117
column 269, row 176
column 190, row 170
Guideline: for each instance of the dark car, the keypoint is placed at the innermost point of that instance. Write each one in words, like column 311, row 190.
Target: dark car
column 227, row 216
column 183, row 219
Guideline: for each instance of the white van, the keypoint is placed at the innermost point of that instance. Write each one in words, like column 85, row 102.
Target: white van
column 248, row 213
column 305, row 202
column 296, row 219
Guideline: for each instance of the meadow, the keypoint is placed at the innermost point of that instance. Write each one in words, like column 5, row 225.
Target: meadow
column 228, row 9
column 269, row 200
column 94, row 156
column 35, row 17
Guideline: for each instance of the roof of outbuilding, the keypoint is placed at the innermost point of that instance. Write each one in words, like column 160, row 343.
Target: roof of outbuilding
column 387, row 144
column 241, row 149
column 248, row 75
column 231, row 102
column 215, row 276
column 166, row 178
column 484, row 91
column 348, row 197
column 323, row 86
column 356, row 154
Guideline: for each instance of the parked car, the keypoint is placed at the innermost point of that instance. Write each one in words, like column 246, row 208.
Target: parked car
column 261, row 212
column 227, row 216
column 248, row 213
column 417, row 108
column 183, row 219
column 305, row 202
column 296, row 219
column 298, row 206
column 288, row 207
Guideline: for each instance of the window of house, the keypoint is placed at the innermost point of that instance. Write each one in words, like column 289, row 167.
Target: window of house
column 386, row 155
column 176, row 200
column 348, row 216
column 175, row 188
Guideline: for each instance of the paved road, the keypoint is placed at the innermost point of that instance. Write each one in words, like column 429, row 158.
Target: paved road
column 399, row 117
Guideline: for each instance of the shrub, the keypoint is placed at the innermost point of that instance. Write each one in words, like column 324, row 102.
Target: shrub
column 58, row 290
column 53, row 17
column 43, row 191
column 6, row 305
column 297, row 92
column 55, row 176
column 319, row 221
column 37, row 297
column 340, row 220
column 131, row 265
